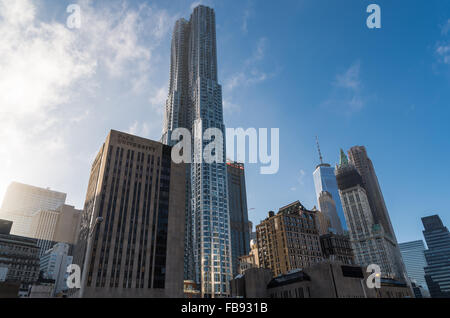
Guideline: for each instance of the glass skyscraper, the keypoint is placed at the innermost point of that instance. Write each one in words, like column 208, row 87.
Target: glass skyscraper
column 414, row 258
column 325, row 181
column 437, row 273
column 195, row 103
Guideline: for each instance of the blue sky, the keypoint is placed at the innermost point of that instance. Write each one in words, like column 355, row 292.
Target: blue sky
column 307, row 67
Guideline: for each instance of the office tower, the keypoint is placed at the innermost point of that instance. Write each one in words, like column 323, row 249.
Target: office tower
column 323, row 222
column 195, row 103
column 437, row 273
column 289, row 239
column 237, row 203
column 53, row 265
column 359, row 158
column 327, row 193
column 336, row 247
column 328, row 208
column 55, row 226
column 369, row 241
column 19, row 260
column 22, row 200
column 413, row 254
column 132, row 227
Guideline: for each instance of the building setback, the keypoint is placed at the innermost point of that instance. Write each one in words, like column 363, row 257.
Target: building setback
column 359, row 158
column 437, row 273
column 50, row 227
column 370, row 243
column 132, row 227
column 22, row 201
column 239, row 224
column 195, row 103
column 289, row 239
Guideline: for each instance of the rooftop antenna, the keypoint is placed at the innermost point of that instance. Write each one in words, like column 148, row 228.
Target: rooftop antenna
column 318, row 148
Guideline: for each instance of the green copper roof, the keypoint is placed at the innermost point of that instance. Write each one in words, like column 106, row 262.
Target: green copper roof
column 344, row 159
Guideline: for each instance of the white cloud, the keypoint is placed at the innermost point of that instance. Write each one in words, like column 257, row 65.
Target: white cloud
column 443, row 52
column 350, row 78
column 230, row 107
column 246, row 17
column 44, row 66
column 446, row 27
column 250, row 74
column 139, row 129
column 301, row 177
column 346, row 96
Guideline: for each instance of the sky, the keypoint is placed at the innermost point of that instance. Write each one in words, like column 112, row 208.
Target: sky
column 308, row 67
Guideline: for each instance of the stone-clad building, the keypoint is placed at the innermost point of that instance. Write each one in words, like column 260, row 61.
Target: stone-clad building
column 19, row 257
column 323, row 280
column 132, row 229
column 337, row 247
column 289, row 239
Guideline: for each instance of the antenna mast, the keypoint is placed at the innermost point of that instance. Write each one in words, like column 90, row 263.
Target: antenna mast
column 318, row 148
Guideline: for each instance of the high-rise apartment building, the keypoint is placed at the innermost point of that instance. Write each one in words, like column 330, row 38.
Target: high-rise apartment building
column 328, row 198
column 132, row 227
column 359, row 158
column 239, row 224
column 413, row 254
column 195, row 103
column 22, row 201
column 370, row 243
column 289, row 239
column 437, row 273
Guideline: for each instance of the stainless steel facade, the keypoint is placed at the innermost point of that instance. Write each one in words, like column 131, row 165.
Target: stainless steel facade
column 195, row 103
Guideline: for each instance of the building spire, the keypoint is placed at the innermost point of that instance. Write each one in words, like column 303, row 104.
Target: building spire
column 344, row 159
column 318, row 148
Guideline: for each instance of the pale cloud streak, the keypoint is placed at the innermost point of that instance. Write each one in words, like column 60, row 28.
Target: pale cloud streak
column 347, row 93
column 251, row 72
column 44, row 66
column 443, row 47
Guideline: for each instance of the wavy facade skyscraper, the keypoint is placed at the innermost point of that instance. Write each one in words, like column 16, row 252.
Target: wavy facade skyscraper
column 195, row 103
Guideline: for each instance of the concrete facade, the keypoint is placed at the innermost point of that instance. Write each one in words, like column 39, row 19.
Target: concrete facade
column 324, row 280
column 137, row 251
